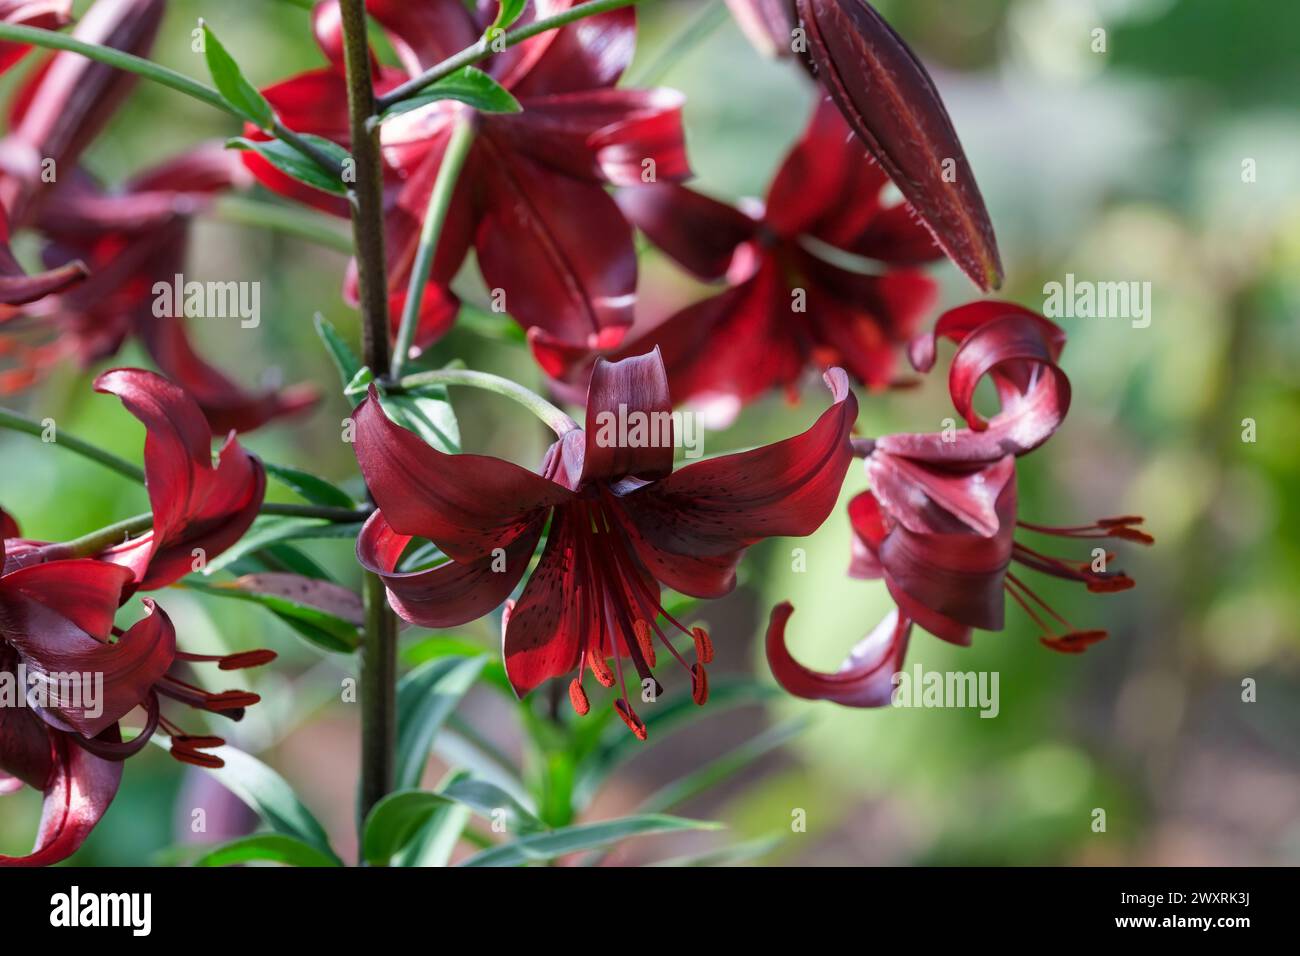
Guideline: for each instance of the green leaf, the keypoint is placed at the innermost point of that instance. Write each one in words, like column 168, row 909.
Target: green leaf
column 732, row 762
column 267, row 848
column 241, row 95
column 359, row 384
column 325, row 614
column 425, row 699
column 288, row 160
column 273, row 529
column 436, row 841
column 427, row 412
column 510, row 11
column 267, row 793
column 468, row 85
column 540, row 847
column 395, row 820
column 280, row 557
column 725, row 856
column 345, row 360
column 487, row 799
column 614, row 745
column 309, row 487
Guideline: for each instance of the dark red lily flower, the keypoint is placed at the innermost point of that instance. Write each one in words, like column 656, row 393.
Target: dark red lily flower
column 131, row 239
column 888, row 98
column 41, row 14
column 729, row 349
column 79, row 677
column 940, row 520
column 622, row 523
column 198, row 506
column 531, row 199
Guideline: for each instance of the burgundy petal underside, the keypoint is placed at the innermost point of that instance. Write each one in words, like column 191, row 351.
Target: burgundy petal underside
column 466, row 504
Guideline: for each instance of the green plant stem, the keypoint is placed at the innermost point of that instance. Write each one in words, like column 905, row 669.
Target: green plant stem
column 554, row 417
column 435, row 217
column 91, row 544
column 483, row 49
column 378, row 683
column 288, row 220
column 21, row 423
column 157, row 73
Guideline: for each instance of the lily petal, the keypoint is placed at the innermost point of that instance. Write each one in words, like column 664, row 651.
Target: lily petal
column 573, row 276
column 465, row 504
column 866, row 678
column 631, row 392
column 41, row 14
column 606, row 135
column 450, row 594
column 196, row 506
column 718, row 506
column 76, row 798
column 698, row 233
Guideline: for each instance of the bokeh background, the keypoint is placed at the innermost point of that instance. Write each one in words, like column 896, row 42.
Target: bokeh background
column 1122, row 165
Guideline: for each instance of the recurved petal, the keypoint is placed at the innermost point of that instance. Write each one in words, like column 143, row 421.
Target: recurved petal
column 889, row 100
column 956, row 575
column 76, row 798
column 865, row 679
column 700, row 234
column 590, row 54
column 717, row 506
column 466, row 504
column 612, row 135
column 449, row 594
column 629, row 420
column 195, row 505
column 227, row 405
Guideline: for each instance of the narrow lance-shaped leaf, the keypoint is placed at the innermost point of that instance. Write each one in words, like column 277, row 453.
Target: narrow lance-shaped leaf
column 468, row 85
column 425, row 699
column 242, row 96
column 267, row 848
column 890, row 101
column 311, row 488
column 541, row 847
column 288, row 160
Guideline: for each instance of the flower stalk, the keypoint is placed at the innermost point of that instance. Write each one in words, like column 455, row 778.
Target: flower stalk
column 554, row 418
column 453, row 161
column 378, row 684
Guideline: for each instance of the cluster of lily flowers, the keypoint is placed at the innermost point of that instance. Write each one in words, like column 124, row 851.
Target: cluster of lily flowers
column 548, row 199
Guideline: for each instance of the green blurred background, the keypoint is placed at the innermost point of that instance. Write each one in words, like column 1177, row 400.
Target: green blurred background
column 1123, row 165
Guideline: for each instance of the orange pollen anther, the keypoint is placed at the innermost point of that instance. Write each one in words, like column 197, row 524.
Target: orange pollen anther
column 578, row 698
column 601, row 670
column 644, row 640
column 634, row 723
column 703, row 645
column 699, row 685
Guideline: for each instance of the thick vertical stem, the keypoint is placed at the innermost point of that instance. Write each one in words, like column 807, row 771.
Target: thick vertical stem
column 378, row 690
column 367, row 191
